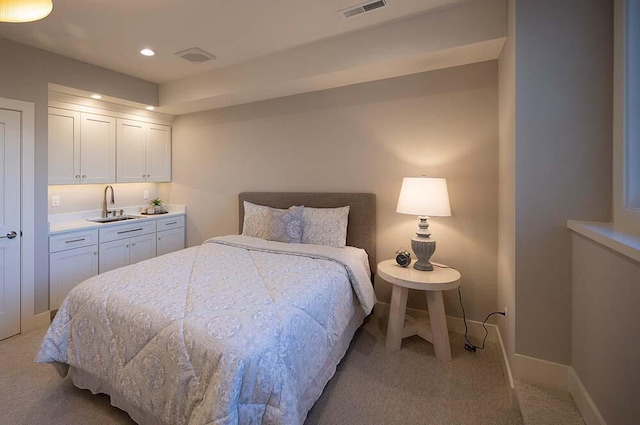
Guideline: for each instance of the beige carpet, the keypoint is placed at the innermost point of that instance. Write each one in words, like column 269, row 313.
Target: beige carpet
column 546, row 406
column 371, row 386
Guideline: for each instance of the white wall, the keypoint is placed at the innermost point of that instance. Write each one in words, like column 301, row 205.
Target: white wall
column 563, row 158
column 364, row 138
column 605, row 317
column 24, row 75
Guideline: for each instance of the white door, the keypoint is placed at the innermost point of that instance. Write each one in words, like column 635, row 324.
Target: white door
column 9, row 223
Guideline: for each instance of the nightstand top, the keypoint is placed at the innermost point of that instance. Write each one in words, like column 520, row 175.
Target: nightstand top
column 440, row 279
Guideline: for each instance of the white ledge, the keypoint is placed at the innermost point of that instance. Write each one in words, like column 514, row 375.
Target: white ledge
column 621, row 241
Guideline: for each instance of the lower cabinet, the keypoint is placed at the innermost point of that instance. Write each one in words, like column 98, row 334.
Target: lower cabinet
column 170, row 236
column 73, row 258
column 127, row 244
column 79, row 255
column 123, row 252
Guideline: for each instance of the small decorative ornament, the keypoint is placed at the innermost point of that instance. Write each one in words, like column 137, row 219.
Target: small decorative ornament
column 157, row 206
column 403, row 257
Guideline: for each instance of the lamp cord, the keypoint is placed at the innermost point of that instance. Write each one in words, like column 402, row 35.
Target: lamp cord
column 468, row 345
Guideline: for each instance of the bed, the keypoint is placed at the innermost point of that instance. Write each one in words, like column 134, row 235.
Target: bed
column 238, row 330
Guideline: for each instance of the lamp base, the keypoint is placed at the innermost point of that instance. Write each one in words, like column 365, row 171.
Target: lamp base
column 424, row 249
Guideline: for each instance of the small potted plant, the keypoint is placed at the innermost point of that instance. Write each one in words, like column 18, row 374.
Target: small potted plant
column 156, row 207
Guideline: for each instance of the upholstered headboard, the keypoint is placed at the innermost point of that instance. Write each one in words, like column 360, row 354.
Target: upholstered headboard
column 361, row 230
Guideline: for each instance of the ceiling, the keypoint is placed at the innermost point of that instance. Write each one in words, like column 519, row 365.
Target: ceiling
column 264, row 49
column 110, row 33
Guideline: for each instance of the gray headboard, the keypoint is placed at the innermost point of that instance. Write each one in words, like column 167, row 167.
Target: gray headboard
column 361, row 230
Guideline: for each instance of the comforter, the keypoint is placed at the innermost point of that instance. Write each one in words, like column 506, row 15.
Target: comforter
column 232, row 331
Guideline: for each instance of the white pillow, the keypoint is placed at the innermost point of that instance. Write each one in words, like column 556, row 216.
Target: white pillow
column 325, row 226
column 272, row 224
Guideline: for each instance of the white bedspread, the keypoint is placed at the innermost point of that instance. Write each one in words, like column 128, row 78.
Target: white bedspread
column 230, row 332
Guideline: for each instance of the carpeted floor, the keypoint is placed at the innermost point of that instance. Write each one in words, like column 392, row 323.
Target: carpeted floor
column 371, row 386
column 546, row 406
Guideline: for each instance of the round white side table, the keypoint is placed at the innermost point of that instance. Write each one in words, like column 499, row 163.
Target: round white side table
column 433, row 283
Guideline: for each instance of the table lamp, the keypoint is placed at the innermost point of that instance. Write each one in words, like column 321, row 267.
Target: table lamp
column 424, row 197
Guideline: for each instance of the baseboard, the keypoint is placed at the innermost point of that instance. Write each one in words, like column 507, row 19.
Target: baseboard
column 541, row 372
column 506, row 371
column 37, row 321
column 583, row 401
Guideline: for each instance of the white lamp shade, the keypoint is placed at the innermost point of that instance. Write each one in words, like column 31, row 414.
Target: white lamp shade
column 24, row 10
column 424, row 196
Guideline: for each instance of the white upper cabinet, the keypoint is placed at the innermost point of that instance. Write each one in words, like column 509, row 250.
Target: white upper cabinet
column 94, row 142
column 158, row 158
column 97, row 149
column 131, row 148
column 144, row 152
column 82, row 147
column 64, row 146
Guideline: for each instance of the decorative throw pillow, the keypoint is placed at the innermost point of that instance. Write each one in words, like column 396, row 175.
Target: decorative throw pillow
column 325, row 226
column 272, row 224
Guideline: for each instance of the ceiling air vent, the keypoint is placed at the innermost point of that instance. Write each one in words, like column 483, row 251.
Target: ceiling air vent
column 362, row 8
column 195, row 55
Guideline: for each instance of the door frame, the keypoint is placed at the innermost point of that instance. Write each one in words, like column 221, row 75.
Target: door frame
column 29, row 320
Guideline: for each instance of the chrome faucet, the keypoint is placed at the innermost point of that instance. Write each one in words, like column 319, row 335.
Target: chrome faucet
column 105, row 211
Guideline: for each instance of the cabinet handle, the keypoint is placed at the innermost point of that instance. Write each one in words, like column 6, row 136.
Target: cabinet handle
column 77, row 176
column 133, row 244
column 95, row 252
column 159, row 237
column 74, row 240
column 129, row 231
column 127, row 246
column 169, row 224
column 84, row 176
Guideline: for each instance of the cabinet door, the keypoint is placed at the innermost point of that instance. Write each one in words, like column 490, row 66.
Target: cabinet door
column 97, row 149
column 131, row 151
column 170, row 240
column 114, row 255
column 143, row 247
column 64, row 146
column 158, row 153
column 67, row 269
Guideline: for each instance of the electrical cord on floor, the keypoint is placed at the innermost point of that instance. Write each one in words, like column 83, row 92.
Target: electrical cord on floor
column 468, row 345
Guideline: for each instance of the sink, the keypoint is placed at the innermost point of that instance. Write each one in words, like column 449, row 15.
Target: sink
column 111, row 219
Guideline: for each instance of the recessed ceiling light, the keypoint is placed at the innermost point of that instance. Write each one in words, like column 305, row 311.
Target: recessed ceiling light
column 147, row 52
column 150, row 108
column 96, row 96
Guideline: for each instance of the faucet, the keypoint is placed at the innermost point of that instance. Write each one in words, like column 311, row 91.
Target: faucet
column 105, row 211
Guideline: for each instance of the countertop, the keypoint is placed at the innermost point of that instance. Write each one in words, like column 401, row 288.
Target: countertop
column 69, row 222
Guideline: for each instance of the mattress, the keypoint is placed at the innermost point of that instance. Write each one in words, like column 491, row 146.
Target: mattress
column 237, row 330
